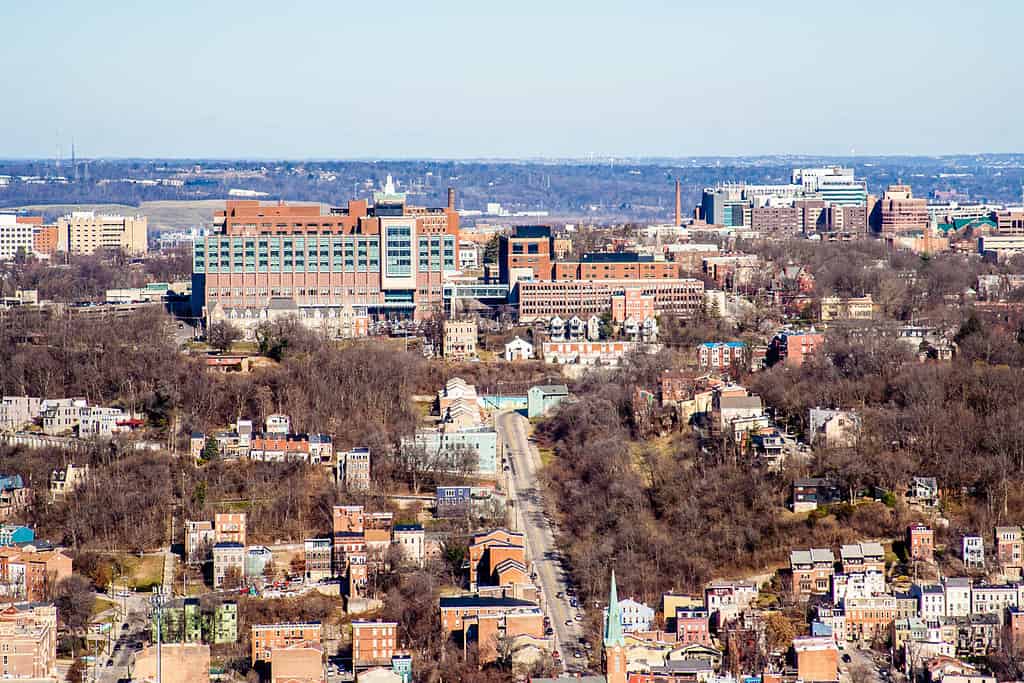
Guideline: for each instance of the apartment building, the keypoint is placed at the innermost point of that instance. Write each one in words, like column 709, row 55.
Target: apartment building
column 317, row 553
column 199, row 540
column 410, row 539
column 693, row 626
column 228, row 560
column 229, row 527
column 17, row 412
column 44, row 240
column 87, row 232
column 15, row 237
column 30, row 574
column 490, row 618
column 721, row 355
column 266, row 637
column 388, row 259
column 373, row 643
column 811, row 571
column 354, row 469
column 847, row 308
column 28, row 641
column 869, row 617
column 459, row 339
column 793, row 348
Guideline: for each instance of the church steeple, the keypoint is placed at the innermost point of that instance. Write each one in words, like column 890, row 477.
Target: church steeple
column 615, row 660
column 613, row 623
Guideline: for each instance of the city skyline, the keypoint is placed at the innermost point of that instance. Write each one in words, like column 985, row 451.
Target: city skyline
column 461, row 82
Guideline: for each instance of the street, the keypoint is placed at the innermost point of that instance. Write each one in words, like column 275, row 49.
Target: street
column 526, row 509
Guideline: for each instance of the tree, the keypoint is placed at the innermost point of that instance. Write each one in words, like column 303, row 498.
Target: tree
column 75, row 601
column 232, row 578
column 210, row 453
column 221, row 335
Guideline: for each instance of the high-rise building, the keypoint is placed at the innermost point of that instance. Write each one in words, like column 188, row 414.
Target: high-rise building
column 382, row 260
column 86, row 232
column 724, row 205
column 835, row 185
column 898, row 211
column 15, row 236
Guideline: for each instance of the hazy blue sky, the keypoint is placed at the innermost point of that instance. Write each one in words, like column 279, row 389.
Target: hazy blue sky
column 337, row 78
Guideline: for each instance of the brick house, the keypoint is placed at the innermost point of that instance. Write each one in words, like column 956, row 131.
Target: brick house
column 811, row 571
column 921, row 543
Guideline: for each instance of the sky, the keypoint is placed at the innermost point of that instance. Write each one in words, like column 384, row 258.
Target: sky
column 469, row 79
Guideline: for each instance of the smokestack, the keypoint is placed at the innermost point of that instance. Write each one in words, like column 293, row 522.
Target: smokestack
column 451, row 198
column 679, row 204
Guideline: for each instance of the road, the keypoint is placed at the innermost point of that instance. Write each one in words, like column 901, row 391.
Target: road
column 138, row 630
column 527, row 515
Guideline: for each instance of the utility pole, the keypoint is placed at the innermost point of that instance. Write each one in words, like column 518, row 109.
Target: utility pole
column 157, row 601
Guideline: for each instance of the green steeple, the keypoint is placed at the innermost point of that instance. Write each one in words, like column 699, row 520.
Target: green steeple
column 613, row 622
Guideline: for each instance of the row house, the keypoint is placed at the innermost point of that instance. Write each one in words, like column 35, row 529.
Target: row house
column 857, row 585
column 267, row 637
column 921, row 543
column 374, row 643
column 973, row 552
column 31, row 575
column 721, row 355
column 989, row 599
column 1009, row 548
column 353, row 469
column 869, row 618
column 811, row 571
column 693, row 625
column 728, row 599
column 317, row 552
column 309, row 448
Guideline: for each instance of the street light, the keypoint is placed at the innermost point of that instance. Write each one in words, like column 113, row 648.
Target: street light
column 157, row 601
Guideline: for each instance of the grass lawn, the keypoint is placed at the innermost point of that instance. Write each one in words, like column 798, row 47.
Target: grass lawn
column 547, row 455
column 101, row 605
column 144, row 572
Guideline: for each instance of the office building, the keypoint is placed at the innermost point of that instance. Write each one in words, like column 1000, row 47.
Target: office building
column 87, row 232
column 834, row 185
column 387, row 259
column 899, row 212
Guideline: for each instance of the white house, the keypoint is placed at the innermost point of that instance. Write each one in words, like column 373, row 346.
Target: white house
column 518, row 349
column 636, row 616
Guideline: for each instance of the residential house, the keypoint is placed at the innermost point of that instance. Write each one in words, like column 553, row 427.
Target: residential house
column 958, row 596
column 847, row 308
column 229, row 527
column 410, row 539
column 721, row 355
column 15, row 497
column 921, row 543
column 692, row 625
column 488, row 618
column 833, row 428
column 868, row 618
column 353, row 469
column 199, row 540
column 809, row 494
column 65, row 481
column 636, row 616
column 973, row 552
column 923, row 492
column 811, row 571
column 931, row 601
column 727, row 599
column 1009, row 548
column 18, row 412
column 993, row 599
column 30, row 574
column 228, row 560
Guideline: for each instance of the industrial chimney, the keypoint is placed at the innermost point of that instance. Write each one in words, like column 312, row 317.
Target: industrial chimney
column 451, row 198
column 679, row 203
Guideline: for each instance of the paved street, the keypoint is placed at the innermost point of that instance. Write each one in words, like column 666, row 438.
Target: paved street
column 527, row 515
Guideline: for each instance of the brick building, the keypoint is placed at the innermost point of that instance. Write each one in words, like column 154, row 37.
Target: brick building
column 485, row 619
column 527, row 246
column 585, row 298
column 811, row 571
column 373, row 643
column 381, row 260
column 28, row 639
column 817, row 659
column 793, row 348
column 488, row 551
column 229, row 527
column 1009, row 547
column 899, row 212
column 266, row 637
column 921, row 543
